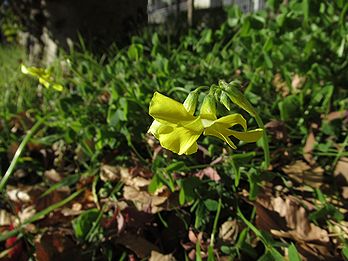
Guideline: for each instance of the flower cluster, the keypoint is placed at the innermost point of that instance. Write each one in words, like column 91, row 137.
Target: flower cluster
column 43, row 75
column 177, row 128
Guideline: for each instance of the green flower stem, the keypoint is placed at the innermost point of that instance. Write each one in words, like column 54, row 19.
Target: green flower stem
column 18, row 153
column 265, row 144
column 212, row 237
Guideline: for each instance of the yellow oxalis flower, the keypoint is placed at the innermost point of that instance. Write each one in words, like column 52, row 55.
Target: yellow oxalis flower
column 178, row 130
column 43, row 75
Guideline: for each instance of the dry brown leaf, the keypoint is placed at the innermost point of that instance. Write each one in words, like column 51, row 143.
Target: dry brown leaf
column 280, row 85
column 57, row 245
column 337, row 115
column 309, row 252
column 6, row 218
column 287, row 218
column 339, row 228
column 115, row 173
column 19, row 194
column 297, row 82
column 140, row 246
column 143, row 200
column 302, row 172
column 156, row 256
column 345, row 192
column 277, row 129
column 229, row 231
column 308, row 148
column 209, row 172
column 341, row 171
column 53, row 175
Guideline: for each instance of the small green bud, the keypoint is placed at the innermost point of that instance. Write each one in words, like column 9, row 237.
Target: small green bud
column 208, row 108
column 217, row 93
column 225, row 100
column 190, row 102
column 237, row 96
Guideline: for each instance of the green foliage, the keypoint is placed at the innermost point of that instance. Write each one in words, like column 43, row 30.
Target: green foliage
column 84, row 223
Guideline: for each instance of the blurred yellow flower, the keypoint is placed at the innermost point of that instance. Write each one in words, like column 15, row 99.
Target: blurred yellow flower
column 43, row 75
column 178, row 130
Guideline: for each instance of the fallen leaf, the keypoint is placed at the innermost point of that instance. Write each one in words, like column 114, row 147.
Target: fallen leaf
column 337, row 115
column 302, row 172
column 308, row 148
column 277, row 129
column 288, row 218
column 208, row 172
column 53, row 176
column 229, row 231
column 156, row 256
column 280, row 85
column 115, row 173
column 143, row 200
column 341, row 171
column 139, row 245
column 297, row 82
column 57, row 245
column 6, row 218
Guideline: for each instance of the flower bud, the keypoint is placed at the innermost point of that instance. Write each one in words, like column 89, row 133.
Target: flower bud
column 190, row 102
column 208, row 108
column 225, row 100
column 237, row 96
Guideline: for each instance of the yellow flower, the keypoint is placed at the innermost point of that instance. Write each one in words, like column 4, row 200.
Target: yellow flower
column 43, row 75
column 178, row 130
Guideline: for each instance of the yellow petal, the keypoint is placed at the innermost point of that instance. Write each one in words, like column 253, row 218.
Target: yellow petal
column 179, row 139
column 37, row 72
column 192, row 149
column 58, row 87
column 231, row 120
column 154, row 128
column 165, row 109
column 44, row 82
column 221, row 134
column 247, row 136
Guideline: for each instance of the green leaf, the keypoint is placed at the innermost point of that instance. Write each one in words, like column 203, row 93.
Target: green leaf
column 290, row 108
column 188, row 186
column 211, row 256
column 198, row 251
column 211, row 205
column 345, row 252
column 154, row 184
column 182, row 196
column 268, row 44
column 179, row 165
column 253, row 179
column 276, row 255
column 268, row 60
column 133, row 52
column 83, row 223
column 305, row 9
column 64, row 182
column 267, row 256
column 340, row 49
column 293, row 254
